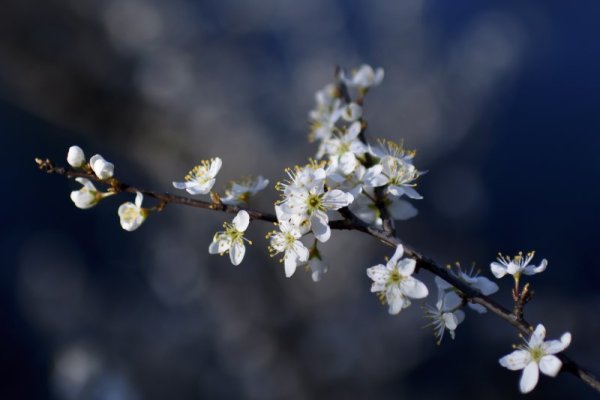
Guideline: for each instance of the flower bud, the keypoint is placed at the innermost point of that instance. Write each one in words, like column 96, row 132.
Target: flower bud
column 102, row 168
column 75, row 157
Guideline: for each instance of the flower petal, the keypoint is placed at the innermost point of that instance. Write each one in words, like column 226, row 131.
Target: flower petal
column 236, row 252
column 550, row 365
column 498, row 269
column 336, row 199
column 529, row 378
column 241, row 221
column 414, row 288
column 395, row 300
column 556, row 346
column 290, row 264
column 320, row 227
column 537, row 337
column 532, row 269
column 397, row 256
column 378, row 273
column 518, row 359
column 406, row 266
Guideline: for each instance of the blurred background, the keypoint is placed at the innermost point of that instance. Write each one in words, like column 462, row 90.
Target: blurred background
column 500, row 98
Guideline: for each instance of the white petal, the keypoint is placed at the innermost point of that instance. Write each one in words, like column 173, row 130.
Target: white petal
column 213, row 248
column 395, row 300
column 450, row 320
column 518, row 359
column 180, row 185
column 550, row 365
column 406, row 266
column 441, row 284
column 290, row 264
column 537, row 337
column 215, row 166
column 398, row 253
column 556, row 346
column 478, row 308
column 236, row 252
column 336, row 199
column 412, row 193
column 402, row 210
column 139, row 197
column 378, row 273
column 241, row 221
column 414, row 288
column 529, row 378
column 532, row 269
column 347, row 163
column 301, row 251
column 194, row 187
column 485, row 286
column 320, row 227
column 395, row 190
column 498, row 269
column 450, row 301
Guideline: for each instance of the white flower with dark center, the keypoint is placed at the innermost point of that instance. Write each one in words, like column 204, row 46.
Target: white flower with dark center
column 394, row 282
column 364, row 77
column 313, row 202
column 88, row 196
column 446, row 315
column 535, row 356
column 231, row 240
column 343, row 149
column 401, row 176
column 517, row 265
column 75, row 157
column 132, row 215
column 287, row 241
column 102, row 168
column 201, row 178
column 240, row 192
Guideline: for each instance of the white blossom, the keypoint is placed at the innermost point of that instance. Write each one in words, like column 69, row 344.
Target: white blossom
column 366, row 210
column 240, row 192
column 75, row 157
column 287, row 241
column 471, row 278
column 401, row 176
column 102, row 168
column 231, row 240
column 88, row 196
column 343, row 149
column 363, row 77
column 132, row 215
column 312, row 202
column 535, row 356
column 517, row 265
column 446, row 314
column 394, row 282
column 201, row 178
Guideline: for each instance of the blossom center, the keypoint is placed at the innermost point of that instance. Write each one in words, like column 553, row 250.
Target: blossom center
column 315, row 203
column 395, row 277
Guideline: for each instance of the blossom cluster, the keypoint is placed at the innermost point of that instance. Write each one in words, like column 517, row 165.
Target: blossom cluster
column 357, row 181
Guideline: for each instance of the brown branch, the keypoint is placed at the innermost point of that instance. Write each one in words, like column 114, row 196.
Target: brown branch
column 350, row 222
